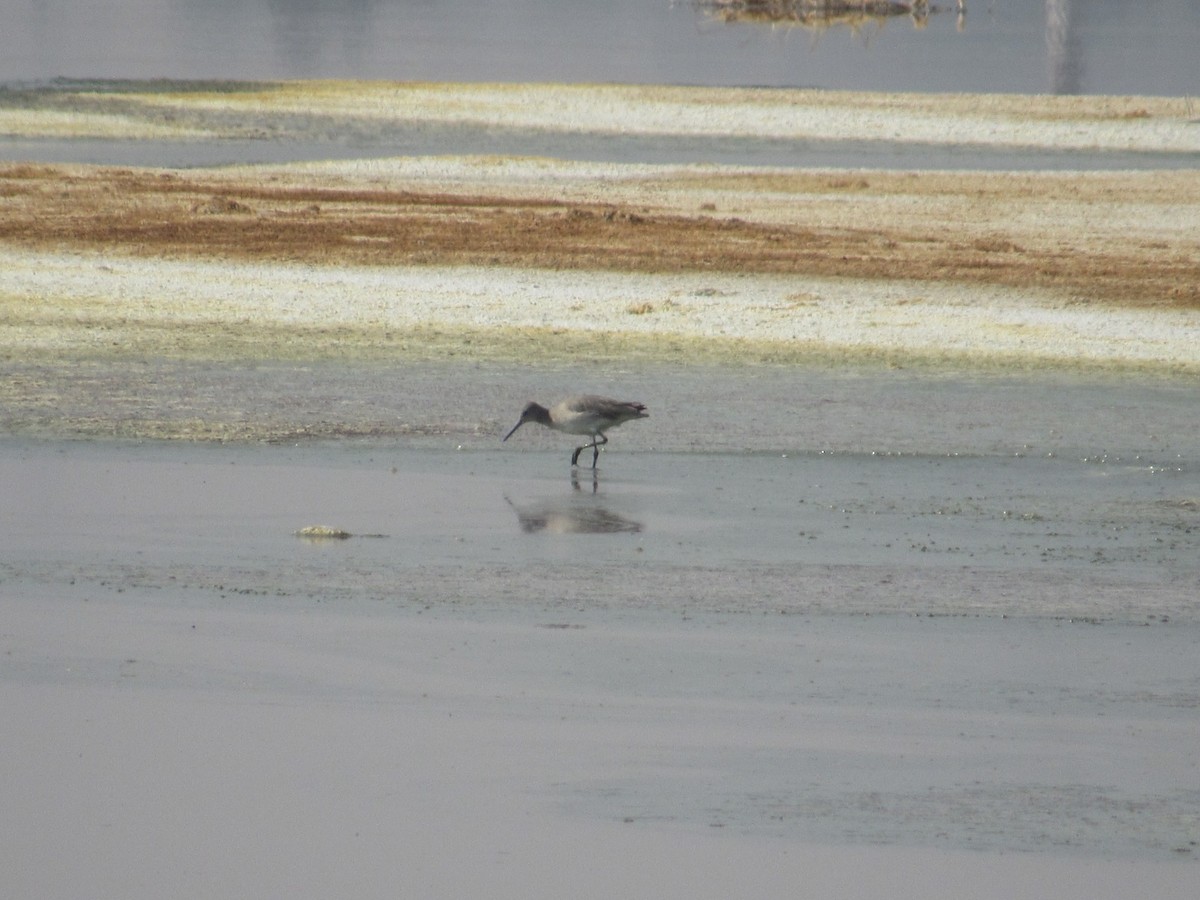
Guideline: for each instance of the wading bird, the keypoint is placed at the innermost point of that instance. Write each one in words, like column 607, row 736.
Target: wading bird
column 589, row 414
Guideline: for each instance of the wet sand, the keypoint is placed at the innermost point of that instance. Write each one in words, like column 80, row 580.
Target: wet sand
column 911, row 613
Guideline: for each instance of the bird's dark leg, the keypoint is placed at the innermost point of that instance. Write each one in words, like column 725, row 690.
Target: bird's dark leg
column 596, row 442
column 594, row 446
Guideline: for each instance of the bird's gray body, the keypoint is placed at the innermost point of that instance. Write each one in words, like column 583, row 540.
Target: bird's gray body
column 588, row 414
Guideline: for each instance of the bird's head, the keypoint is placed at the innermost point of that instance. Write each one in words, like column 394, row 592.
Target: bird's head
column 533, row 412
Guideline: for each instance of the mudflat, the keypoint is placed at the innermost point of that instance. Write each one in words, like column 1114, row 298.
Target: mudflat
column 412, row 255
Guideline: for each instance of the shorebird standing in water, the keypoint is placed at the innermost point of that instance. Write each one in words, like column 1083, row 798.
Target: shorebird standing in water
column 589, row 414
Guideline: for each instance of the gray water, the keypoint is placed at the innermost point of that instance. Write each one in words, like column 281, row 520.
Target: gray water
column 857, row 607
column 425, row 140
column 1022, row 46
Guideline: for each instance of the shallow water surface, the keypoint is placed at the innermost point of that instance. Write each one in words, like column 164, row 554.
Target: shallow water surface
column 434, row 140
column 894, row 613
column 967, row 653
column 1033, row 535
column 1022, row 46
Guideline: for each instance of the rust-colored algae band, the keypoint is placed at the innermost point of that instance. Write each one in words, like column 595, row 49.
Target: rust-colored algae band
column 1126, row 239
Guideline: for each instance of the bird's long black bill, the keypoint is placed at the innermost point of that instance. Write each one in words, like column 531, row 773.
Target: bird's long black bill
column 511, row 433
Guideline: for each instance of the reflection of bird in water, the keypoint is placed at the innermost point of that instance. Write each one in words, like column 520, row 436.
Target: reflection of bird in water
column 589, row 414
column 567, row 518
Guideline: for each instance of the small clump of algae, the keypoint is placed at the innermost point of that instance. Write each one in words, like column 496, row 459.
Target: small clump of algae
column 329, row 533
column 322, row 533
